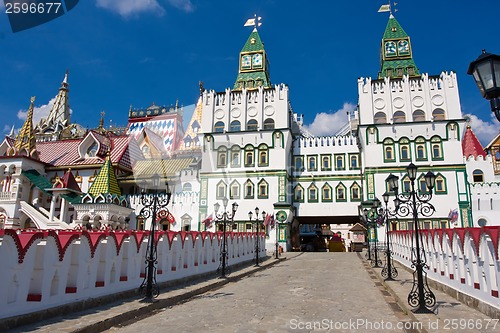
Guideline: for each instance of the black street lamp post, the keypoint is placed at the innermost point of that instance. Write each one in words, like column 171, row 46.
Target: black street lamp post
column 223, row 217
column 257, row 222
column 363, row 219
column 372, row 218
column 154, row 206
column 277, row 226
column 486, row 72
column 411, row 204
column 389, row 272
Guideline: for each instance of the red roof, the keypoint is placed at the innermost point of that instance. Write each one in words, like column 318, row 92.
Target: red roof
column 471, row 145
column 65, row 152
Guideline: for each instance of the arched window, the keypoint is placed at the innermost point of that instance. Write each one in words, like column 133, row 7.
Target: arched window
column 478, row 176
column 219, row 127
column 92, row 151
column 187, row 187
column 263, row 155
column 235, row 126
column 222, row 157
column 380, row 118
column 252, row 125
column 399, row 117
column 235, row 156
column 249, row 159
column 418, row 115
column 269, row 123
column 420, row 149
column 438, row 114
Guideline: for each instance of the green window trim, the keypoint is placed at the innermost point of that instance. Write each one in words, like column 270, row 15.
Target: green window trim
column 339, row 160
column 222, row 157
column 312, row 163
column 420, row 149
column 340, row 193
column 404, row 152
column 235, row 157
column 355, row 192
column 296, row 166
column 296, row 191
column 263, row 190
column 326, row 162
column 221, row 190
column 234, row 190
column 249, row 156
column 355, row 165
column 326, row 193
column 312, row 193
column 440, row 189
column 249, row 190
column 263, row 158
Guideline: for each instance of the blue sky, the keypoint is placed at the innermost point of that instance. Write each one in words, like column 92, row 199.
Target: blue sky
column 135, row 52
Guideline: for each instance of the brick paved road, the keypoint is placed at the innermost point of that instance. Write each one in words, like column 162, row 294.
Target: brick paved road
column 309, row 292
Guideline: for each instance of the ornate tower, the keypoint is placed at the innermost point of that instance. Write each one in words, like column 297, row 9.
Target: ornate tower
column 26, row 138
column 254, row 67
column 395, row 53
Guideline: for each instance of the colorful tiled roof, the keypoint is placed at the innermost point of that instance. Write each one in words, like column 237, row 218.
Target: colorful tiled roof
column 60, row 112
column 38, row 180
column 190, row 142
column 471, row 145
column 399, row 64
column 166, row 167
column 252, row 78
column 68, row 181
column 105, row 182
column 64, row 153
column 26, row 137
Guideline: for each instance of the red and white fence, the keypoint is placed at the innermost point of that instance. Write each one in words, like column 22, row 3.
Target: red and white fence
column 49, row 268
column 465, row 259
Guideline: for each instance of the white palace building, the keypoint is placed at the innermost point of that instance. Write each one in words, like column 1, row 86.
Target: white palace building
column 246, row 144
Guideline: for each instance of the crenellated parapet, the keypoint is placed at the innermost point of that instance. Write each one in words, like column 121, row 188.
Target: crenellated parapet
column 326, row 141
column 409, row 99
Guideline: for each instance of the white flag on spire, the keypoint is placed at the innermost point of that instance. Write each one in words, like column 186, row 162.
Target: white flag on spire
column 384, row 8
column 249, row 22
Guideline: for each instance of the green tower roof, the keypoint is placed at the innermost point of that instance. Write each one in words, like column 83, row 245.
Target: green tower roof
column 105, row 182
column 396, row 53
column 253, row 64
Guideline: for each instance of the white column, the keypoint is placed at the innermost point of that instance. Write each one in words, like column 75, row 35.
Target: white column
column 52, row 207
column 64, row 210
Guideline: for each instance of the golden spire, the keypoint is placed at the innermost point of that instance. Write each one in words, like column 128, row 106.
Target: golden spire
column 26, row 138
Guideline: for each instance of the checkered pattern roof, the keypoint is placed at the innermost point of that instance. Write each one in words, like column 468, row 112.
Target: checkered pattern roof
column 105, row 182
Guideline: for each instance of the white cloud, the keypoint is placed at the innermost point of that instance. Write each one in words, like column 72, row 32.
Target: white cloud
column 184, row 5
column 127, row 8
column 38, row 113
column 484, row 130
column 329, row 123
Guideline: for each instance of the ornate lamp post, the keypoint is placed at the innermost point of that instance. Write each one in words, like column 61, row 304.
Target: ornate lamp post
column 372, row 217
column 223, row 217
column 389, row 272
column 257, row 222
column 486, row 72
column 363, row 219
column 154, row 206
column 412, row 204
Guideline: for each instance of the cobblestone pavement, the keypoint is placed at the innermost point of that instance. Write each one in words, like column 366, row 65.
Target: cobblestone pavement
column 308, row 292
